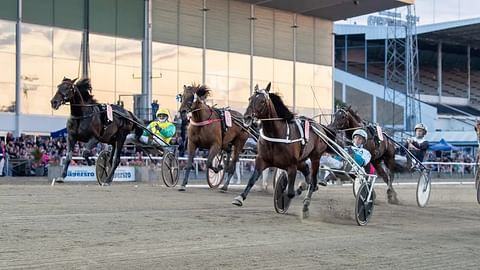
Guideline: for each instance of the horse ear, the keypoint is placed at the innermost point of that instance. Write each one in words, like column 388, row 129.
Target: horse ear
column 73, row 81
column 256, row 88
column 184, row 87
column 268, row 87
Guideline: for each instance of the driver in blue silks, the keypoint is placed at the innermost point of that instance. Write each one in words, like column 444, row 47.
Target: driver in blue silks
column 361, row 156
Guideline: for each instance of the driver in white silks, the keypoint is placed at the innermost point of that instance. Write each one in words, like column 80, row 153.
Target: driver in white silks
column 360, row 155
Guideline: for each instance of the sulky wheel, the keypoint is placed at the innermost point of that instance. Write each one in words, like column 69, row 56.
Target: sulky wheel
column 424, row 186
column 102, row 166
column 281, row 201
column 363, row 207
column 477, row 175
column 170, row 169
column 214, row 179
column 357, row 182
column 478, row 194
column 276, row 175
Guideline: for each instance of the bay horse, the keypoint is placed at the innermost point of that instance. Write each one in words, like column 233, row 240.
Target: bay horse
column 283, row 143
column 206, row 130
column 88, row 123
column 345, row 119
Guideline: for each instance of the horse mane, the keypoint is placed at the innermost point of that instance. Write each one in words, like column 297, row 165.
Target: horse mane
column 280, row 107
column 354, row 114
column 202, row 90
column 85, row 87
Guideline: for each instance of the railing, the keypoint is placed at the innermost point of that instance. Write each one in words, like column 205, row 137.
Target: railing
column 446, row 168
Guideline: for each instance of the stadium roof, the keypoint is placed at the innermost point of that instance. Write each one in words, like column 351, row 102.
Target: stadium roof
column 456, row 110
column 331, row 9
column 462, row 32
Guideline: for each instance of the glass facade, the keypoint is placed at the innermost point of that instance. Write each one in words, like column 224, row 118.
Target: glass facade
column 52, row 49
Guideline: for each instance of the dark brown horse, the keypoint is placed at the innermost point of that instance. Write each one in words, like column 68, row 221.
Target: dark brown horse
column 88, row 122
column 345, row 119
column 206, row 130
column 281, row 143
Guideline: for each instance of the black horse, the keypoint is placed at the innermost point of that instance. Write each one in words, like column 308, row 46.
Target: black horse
column 89, row 123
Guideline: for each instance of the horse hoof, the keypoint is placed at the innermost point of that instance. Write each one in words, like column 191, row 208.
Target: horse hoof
column 223, row 189
column 182, row 188
column 59, row 180
column 305, row 213
column 238, row 201
column 106, row 184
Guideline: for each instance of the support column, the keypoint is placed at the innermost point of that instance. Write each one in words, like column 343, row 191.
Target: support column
column 439, row 71
column 204, row 41
column 147, row 61
column 468, row 72
column 252, row 43
column 18, row 68
column 294, row 33
column 85, row 40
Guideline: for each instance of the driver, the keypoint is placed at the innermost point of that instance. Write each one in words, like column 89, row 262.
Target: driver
column 161, row 127
column 360, row 155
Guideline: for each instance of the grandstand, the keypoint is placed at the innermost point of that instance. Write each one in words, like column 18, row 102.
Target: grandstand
column 449, row 74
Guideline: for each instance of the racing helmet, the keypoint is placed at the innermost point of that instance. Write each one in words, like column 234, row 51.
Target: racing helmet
column 421, row 126
column 360, row 132
column 163, row 111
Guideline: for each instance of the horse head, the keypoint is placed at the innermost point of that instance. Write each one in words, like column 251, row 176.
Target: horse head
column 258, row 105
column 190, row 98
column 65, row 93
column 345, row 118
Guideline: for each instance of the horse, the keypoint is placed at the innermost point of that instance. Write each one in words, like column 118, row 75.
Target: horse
column 88, row 122
column 284, row 143
column 207, row 130
column 345, row 119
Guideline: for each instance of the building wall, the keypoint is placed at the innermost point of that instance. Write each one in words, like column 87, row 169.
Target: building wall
column 52, row 38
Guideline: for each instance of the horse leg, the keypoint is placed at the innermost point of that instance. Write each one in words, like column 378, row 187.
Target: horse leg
column 230, row 170
column 70, row 146
column 390, row 165
column 312, row 187
column 292, row 174
column 305, row 170
column 391, row 194
column 191, row 154
column 259, row 167
column 87, row 153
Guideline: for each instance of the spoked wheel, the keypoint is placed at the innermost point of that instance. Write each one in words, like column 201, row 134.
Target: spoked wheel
column 478, row 193
column 214, row 179
column 102, row 166
column 363, row 207
column 424, row 186
column 170, row 169
column 281, row 201
column 357, row 182
column 477, row 175
column 276, row 176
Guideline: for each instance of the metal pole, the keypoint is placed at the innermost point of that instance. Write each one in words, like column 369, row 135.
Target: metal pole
column 468, row 72
column 18, row 68
column 204, row 41
column 294, row 33
column 439, row 71
column 252, row 42
column 86, row 42
column 147, row 59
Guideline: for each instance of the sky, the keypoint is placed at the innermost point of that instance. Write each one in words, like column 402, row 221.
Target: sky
column 433, row 11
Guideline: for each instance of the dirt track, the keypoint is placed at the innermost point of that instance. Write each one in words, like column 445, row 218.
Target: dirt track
column 140, row 226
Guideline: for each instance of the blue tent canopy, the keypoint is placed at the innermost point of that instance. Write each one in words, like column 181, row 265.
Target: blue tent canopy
column 62, row 133
column 443, row 145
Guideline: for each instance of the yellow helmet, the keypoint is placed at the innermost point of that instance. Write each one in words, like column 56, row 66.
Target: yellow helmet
column 163, row 111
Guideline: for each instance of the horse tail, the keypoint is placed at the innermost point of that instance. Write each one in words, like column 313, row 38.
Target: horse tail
column 137, row 125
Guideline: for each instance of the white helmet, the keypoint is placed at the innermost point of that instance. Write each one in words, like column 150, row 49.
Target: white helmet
column 360, row 132
column 421, row 126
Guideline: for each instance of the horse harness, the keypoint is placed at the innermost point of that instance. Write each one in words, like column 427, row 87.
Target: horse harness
column 102, row 109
